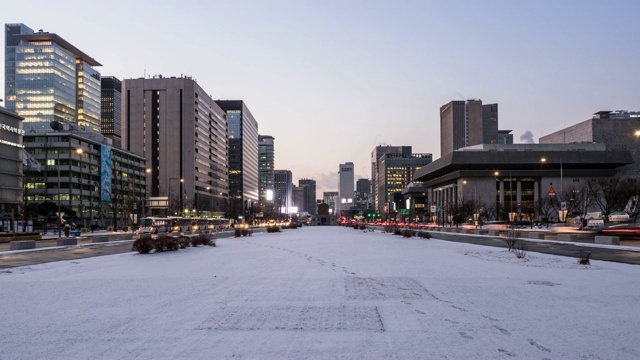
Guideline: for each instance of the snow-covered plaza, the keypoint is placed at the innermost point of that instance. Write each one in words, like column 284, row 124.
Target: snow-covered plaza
column 322, row 293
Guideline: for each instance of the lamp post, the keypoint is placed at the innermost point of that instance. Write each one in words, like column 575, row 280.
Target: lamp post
column 544, row 160
column 181, row 195
column 510, row 193
column 59, row 211
column 144, row 200
column 80, row 151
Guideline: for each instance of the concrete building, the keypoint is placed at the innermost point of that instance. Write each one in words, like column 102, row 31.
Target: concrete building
column 243, row 157
column 505, row 137
column 182, row 133
column 283, row 188
column 618, row 130
column 111, row 109
column 12, row 159
column 346, row 193
column 298, row 199
column 266, row 163
column 510, row 181
column 310, row 204
column 395, row 171
column 467, row 123
column 48, row 79
column 82, row 174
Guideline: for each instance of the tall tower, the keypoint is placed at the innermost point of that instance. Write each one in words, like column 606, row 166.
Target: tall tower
column 111, row 113
column 345, row 188
column 243, row 157
column 182, row 134
column 466, row 123
column 266, row 161
column 363, row 194
column 49, row 79
column 376, row 154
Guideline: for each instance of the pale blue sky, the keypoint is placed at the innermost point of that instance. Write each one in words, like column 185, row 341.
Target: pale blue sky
column 330, row 80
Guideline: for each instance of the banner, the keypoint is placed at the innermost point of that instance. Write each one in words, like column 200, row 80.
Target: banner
column 106, row 171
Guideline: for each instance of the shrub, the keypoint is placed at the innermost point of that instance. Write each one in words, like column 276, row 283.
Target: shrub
column 238, row 232
column 424, row 235
column 166, row 243
column 363, row 227
column 245, row 232
column 397, row 231
column 521, row 251
column 143, row 245
column 273, row 228
column 584, row 258
column 184, row 242
column 201, row 239
column 388, row 229
column 109, row 228
column 407, row 233
column 512, row 239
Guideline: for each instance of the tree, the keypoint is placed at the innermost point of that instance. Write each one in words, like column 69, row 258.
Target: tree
column 612, row 194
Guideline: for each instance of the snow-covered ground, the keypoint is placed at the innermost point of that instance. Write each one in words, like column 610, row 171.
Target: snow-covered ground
column 322, row 292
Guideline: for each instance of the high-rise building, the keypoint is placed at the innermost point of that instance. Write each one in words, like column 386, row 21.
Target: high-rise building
column 377, row 152
column 111, row 109
column 48, row 79
column 182, row 133
column 283, row 188
column 395, row 169
column 363, row 194
column 345, row 189
column 299, row 198
column 243, row 157
column 467, row 123
column 505, row 137
column 310, row 204
column 266, row 162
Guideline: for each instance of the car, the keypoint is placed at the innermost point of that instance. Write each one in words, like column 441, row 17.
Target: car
column 626, row 231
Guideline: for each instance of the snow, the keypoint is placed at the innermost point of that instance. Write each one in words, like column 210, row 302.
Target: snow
column 322, row 293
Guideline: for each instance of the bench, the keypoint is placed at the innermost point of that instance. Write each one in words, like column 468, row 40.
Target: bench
column 607, row 240
column 22, row 244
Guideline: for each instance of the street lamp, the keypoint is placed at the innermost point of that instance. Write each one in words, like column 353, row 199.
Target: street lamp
column 510, row 193
column 144, row 200
column 544, row 160
column 181, row 194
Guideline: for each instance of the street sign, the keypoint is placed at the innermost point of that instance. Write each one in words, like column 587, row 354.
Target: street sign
column 563, row 205
column 433, row 208
column 552, row 191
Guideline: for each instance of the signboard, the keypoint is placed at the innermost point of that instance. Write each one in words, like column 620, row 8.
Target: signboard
column 595, row 222
column 552, row 191
column 618, row 217
column 403, row 211
column 433, row 208
column 563, row 205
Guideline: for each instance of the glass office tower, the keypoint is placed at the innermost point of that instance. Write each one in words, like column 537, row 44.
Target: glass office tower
column 47, row 78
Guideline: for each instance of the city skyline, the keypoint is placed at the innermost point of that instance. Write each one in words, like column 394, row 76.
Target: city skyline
column 367, row 75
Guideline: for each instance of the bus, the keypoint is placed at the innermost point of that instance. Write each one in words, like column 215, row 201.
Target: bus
column 156, row 225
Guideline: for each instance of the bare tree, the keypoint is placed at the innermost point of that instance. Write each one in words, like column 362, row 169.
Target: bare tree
column 612, row 194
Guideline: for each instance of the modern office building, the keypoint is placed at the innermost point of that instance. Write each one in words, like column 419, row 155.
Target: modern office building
column 395, row 172
column 182, row 133
column 12, row 159
column 346, row 193
column 243, row 157
column 363, row 194
column 48, row 79
column 298, row 199
column 266, row 162
column 111, row 109
column 466, row 123
column 84, row 176
column 310, row 204
column 616, row 129
column 283, row 188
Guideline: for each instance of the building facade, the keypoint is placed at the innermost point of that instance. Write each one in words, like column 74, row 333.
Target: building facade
column 111, row 109
column 48, row 79
column 182, row 133
column 363, row 194
column 346, row 194
column 329, row 198
column 466, row 123
column 511, row 182
column 395, row 172
column 298, row 200
column 266, row 166
column 376, row 154
column 243, row 157
column 283, row 188
column 83, row 175
column 12, row 160
column 310, row 204
column 616, row 129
